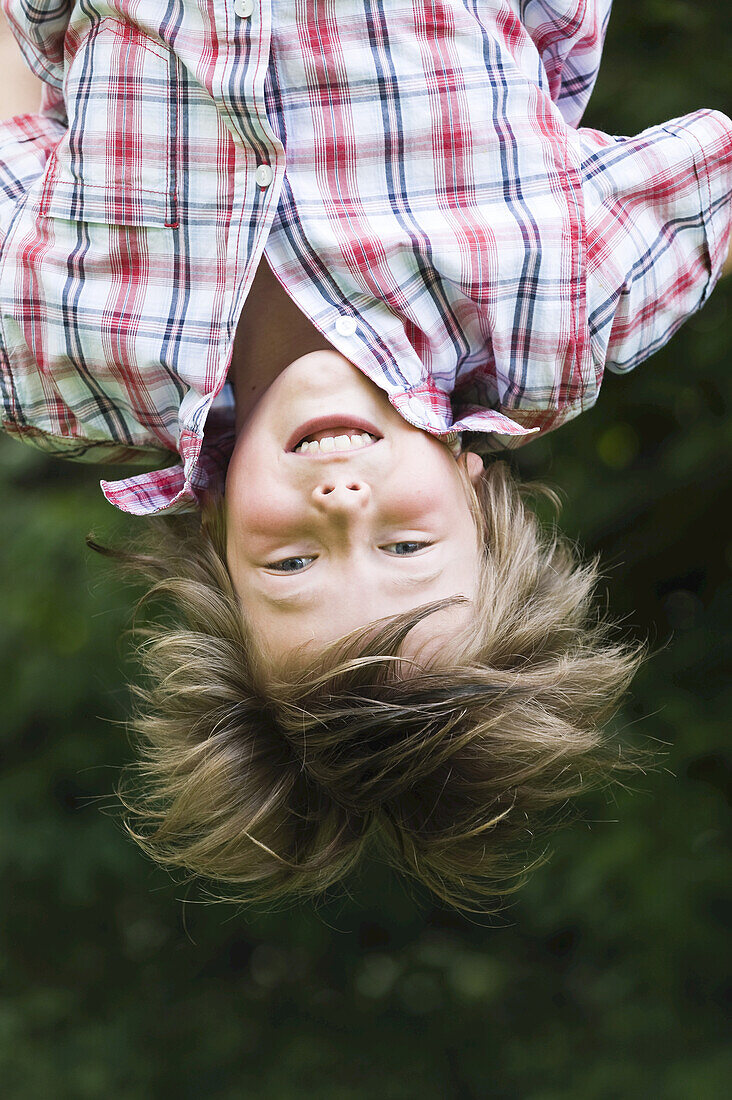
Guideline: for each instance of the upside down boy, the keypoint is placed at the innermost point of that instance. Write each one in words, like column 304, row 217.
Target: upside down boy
column 317, row 266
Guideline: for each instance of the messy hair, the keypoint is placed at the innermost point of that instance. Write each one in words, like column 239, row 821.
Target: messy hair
column 275, row 782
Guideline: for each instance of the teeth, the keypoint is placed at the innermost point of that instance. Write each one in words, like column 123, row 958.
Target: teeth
column 332, row 443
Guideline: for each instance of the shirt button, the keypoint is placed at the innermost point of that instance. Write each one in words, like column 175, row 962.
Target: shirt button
column 243, row 8
column 264, row 175
column 345, row 326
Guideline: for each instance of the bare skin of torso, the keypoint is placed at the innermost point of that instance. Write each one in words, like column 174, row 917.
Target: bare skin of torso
column 272, row 333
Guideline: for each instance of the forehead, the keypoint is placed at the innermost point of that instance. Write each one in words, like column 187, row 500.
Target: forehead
column 338, row 609
column 430, row 642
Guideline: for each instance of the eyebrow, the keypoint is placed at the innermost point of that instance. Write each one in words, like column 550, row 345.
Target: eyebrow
column 305, row 600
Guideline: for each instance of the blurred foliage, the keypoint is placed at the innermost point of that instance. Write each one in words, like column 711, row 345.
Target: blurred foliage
column 603, row 979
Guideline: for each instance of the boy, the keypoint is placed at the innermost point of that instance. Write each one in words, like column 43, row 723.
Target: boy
column 457, row 258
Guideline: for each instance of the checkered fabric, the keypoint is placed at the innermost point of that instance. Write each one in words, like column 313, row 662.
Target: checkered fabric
column 416, row 177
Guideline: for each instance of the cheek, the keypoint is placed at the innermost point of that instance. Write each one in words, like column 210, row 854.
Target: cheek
column 257, row 522
column 429, row 485
column 257, row 502
column 260, row 509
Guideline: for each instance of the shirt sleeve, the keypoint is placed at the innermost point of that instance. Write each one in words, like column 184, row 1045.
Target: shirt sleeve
column 568, row 36
column 40, row 28
column 26, row 143
column 657, row 216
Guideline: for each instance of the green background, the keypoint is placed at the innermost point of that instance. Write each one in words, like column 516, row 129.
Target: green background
column 603, row 979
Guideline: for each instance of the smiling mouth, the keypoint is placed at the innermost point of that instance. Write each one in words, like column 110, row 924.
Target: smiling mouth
column 328, row 436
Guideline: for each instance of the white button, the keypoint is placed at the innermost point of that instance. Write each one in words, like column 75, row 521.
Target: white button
column 264, row 175
column 243, row 8
column 346, row 326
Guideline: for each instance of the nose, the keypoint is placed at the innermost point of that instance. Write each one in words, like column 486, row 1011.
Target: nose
column 341, row 494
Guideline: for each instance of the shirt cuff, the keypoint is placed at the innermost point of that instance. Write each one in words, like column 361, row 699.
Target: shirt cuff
column 708, row 135
column 166, row 491
column 657, row 212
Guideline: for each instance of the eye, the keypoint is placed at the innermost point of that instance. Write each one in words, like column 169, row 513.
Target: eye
column 290, row 565
column 404, row 548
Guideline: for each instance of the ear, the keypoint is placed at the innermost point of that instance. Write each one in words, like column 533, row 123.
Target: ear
column 473, row 464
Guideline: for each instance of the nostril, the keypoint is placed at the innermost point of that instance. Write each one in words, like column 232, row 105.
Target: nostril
column 326, row 490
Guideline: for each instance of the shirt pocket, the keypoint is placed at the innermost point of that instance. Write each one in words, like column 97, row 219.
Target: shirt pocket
column 117, row 162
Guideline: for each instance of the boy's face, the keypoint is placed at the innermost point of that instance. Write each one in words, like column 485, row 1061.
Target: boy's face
column 320, row 543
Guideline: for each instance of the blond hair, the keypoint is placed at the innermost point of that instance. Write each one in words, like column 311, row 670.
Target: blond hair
column 277, row 781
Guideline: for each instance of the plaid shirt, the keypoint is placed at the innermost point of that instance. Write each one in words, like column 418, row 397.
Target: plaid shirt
column 416, row 176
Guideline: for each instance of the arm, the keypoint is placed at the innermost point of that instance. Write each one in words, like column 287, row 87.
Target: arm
column 20, row 90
